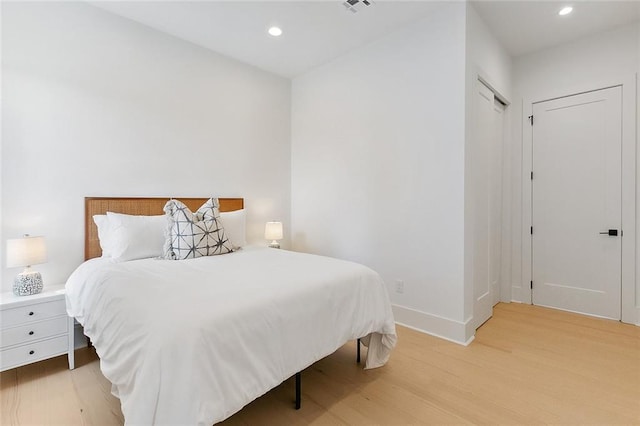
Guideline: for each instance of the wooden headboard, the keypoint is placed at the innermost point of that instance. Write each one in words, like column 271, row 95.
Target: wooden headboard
column 136, row 206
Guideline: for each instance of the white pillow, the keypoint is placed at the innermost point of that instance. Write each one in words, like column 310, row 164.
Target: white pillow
column 105, row 236
column 136, row 237
column 235, row 227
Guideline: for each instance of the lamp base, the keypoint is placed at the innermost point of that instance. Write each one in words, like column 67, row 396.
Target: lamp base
column 274, row 244
column 27, row 283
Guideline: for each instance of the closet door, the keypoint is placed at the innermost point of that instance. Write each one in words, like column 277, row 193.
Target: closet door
column 486, row 171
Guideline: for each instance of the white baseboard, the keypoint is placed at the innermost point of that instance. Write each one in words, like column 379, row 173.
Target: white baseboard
column 516, row 297
column 458, row 332
column 516, row 293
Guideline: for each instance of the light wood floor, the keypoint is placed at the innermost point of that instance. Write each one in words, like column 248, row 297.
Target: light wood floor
column 527, row 365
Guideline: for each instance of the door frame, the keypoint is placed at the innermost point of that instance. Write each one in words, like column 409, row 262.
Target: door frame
column 629, row 313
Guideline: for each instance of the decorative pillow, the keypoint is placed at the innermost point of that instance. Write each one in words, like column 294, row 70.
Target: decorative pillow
column 234, row 227
column 105, row 236
column 192, row 235
column 135, row 237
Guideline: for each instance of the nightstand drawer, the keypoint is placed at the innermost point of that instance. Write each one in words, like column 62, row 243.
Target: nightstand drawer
column 35, row 312
column 33, row 352
column 33, row 331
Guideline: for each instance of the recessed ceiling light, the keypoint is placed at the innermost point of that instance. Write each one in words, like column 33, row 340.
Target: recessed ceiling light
column 275, row 31
column 565, row 11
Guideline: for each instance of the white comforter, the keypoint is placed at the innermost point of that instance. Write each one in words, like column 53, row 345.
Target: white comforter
column 193, row 341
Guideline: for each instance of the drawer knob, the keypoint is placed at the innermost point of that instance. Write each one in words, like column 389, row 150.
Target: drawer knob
column 31, row 333
column 30, row 313
column 32, row 352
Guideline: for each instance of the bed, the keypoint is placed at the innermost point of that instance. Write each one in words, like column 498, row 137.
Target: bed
column 193, row 341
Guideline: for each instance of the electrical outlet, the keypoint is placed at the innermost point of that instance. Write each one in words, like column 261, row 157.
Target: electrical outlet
column 399, row 286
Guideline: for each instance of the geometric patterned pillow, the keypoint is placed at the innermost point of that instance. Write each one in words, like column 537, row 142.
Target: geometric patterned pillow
column 192, row 235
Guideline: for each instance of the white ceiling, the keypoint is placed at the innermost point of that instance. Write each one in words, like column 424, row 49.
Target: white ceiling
column 526, row 26
column 317, row 31
column 314, row 32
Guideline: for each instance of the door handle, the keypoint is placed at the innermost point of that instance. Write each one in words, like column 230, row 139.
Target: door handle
column 610, row 232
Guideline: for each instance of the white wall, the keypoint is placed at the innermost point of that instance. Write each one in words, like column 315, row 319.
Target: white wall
column 487, row 60
column 594, row 62
column 486, row 57
column 378, row 165
column 2, row 237
column 96, row 105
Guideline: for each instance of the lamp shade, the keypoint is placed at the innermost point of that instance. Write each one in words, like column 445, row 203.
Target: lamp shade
column 26, row 251
column 273, row 231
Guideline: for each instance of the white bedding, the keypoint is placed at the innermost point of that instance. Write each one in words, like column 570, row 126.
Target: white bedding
column 193, row 341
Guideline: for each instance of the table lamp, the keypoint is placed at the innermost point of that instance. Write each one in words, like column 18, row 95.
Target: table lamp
column 273, row 231
column 25, row 252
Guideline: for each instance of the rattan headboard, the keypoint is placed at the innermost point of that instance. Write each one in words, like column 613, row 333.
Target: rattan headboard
column 137, row 206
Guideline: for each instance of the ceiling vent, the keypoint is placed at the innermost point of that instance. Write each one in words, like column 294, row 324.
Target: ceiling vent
column 355, row 5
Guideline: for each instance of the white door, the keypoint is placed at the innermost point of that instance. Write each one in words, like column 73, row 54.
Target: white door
column 576, row 200
column 486, row 170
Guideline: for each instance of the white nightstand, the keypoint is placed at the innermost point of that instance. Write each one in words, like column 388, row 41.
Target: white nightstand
column 33, row 328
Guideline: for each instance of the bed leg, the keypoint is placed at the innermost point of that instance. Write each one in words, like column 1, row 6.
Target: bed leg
column 298, row 397
column 358, row 351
